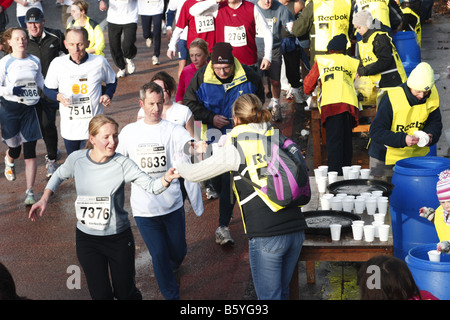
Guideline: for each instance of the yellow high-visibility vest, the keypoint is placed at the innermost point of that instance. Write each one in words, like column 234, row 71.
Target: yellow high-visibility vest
column 337, row 73
column 408, row 119
column 379, row 9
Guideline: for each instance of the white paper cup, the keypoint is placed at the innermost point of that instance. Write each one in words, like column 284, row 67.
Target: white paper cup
column 345, row 171
column 322, row 184
column 365, row 173
column 434, row 255
column 325, row 203
column 383, row 232
column 353, row 174
column 377, row 193
column 369, row 233
column 336, row 204
column 341, row 195
column 335, row 231
column 379, row 217
column 318, row 173
column 324, row 170
column 382, row 205
column 332, row 176
column 360, row 205
column 357, row 231
column 371, row 206
column 347, row 205
column 424, row 138
column 376, row 224
column 356, row 167
column 360, row 222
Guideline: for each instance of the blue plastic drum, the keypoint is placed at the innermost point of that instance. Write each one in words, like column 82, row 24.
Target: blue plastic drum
column 414, row 181
column 433, row 277
column 408, row 49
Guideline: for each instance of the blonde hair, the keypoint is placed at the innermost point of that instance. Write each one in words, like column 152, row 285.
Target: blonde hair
column 83, row 5
column 201, row 44
column 7, row 35
column 96, row 123
column 249, row 109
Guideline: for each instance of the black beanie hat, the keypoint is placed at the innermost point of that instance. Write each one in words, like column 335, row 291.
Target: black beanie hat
column 338, row 43
column 222, row 53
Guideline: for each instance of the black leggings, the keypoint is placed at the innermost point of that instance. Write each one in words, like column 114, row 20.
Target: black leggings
column 99, row 255
column 29, row 150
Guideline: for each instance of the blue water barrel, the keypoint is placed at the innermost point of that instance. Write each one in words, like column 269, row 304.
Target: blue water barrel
column 414, row 181
column 408, row 49
column 433, row 277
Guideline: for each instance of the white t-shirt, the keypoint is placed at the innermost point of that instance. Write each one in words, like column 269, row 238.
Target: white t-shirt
column 83, row 83
column 177, row 113
column 21, row 72
column 22, row 11
column 154, row 148
column 122, row 11
column 150, row 7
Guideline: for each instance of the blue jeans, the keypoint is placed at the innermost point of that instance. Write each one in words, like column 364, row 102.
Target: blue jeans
column 272, row 261
column 74, row 145
column 165, row 237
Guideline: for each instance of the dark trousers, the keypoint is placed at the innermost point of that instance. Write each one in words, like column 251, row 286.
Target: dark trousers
column 222, row 185
column 156, row 34
column 292, row 62
column 46, row 112
column 101, row 255
column 122, row 49
column 339, row 141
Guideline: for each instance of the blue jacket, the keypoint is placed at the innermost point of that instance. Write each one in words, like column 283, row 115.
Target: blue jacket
column 208, row 96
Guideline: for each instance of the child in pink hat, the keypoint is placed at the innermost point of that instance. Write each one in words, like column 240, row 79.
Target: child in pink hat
column 441, row 216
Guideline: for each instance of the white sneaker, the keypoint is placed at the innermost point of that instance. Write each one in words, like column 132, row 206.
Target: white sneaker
column 155, row 60
column 122, row 73
column 29, row 199
column 51, row 166
column 131, row 68
column 163, row 27
column 148, row 42
column 10, row 172
column 299, row 95
column 223, row 236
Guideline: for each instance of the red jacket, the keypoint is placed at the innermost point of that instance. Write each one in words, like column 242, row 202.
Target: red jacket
column 6, row 3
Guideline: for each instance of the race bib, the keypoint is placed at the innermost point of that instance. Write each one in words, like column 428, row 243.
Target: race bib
column 204, row 24
column 93, row 212
column 270, row 23
column 152, row 159
column 80, row 109
column 236, row 36
column 30, row 91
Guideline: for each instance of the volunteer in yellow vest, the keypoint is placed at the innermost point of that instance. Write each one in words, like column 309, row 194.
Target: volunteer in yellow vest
column 403, row 110
column 378, row 56
column 441, row 217
column 275, row 239
column 387, row 12
column 323, row 19
column 411, row 20
column 338, row 103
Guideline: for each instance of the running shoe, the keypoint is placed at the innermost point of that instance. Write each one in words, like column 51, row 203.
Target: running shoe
column 148, row 42
column 51, row 166
column 155, row 60
column 223, row 236
column 131, row 68
column 29, row 199
column 211, row 194
column 10, row 172
column 122, row 73
column 299, row 95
